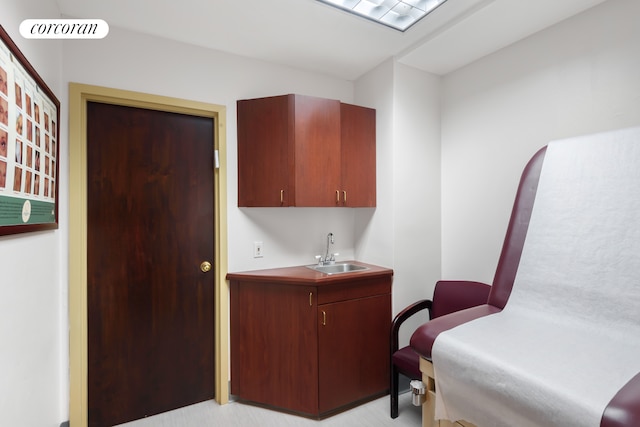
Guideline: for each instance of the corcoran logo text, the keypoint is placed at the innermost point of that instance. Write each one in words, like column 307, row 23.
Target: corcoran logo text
column 64, row 28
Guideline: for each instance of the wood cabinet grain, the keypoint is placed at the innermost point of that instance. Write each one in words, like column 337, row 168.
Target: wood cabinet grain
column 296, row 150
column 312, row 344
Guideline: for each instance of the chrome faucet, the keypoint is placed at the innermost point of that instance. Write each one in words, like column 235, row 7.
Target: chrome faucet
column 326, row 255
column 328, row 258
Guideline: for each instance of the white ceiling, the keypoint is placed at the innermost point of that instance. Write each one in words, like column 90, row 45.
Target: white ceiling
column 310, row 35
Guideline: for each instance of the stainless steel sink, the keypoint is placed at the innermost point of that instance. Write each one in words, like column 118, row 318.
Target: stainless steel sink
column 337, row 268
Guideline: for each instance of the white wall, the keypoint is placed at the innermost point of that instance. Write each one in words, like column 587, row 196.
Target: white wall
column 404, row 230
column 132, row 61
column 374, row 227
column 578, row 77
column 33, row 336
column 416, row 194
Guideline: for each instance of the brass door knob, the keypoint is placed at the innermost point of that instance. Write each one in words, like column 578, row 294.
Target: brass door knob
column 205, row 266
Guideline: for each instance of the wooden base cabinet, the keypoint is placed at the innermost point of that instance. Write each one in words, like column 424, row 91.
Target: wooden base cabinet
column 310, row 349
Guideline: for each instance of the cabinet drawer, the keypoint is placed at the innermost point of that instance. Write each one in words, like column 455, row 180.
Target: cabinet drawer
column 354, row 289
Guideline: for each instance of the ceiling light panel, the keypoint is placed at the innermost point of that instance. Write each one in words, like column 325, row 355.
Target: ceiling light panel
column 397, row 14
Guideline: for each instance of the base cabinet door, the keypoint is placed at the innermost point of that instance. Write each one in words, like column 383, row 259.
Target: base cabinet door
column 353, row 350
column 274, row 346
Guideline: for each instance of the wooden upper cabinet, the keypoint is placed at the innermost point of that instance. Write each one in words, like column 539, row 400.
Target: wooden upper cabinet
column 291, row 150
column 358, row 137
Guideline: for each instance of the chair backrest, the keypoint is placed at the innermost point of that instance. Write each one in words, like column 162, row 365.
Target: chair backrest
column 450, row 296
column 516, row 232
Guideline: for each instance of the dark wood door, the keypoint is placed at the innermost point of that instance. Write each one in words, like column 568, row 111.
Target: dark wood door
column 150, row 225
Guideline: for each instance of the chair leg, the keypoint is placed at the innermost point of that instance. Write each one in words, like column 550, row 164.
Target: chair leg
column 394, row 391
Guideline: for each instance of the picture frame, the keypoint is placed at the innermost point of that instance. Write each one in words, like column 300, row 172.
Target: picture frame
column 29, row 145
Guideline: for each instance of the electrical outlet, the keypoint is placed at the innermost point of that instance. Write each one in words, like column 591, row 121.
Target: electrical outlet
column 257, row 250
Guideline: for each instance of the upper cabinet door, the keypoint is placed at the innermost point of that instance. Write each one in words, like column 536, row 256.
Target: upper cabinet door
column 264, row 160
column 317, row 151
column 358, row 136
column 291, row 150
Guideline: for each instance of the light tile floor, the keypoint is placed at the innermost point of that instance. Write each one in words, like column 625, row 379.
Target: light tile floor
column 235, row 414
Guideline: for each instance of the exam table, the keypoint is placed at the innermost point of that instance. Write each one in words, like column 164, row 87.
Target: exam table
column 558, row 341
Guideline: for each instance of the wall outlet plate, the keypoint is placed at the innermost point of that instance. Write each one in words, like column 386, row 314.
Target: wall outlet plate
column 257, row 250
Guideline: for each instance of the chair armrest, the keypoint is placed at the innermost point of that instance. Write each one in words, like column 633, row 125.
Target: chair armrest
column 423, row 338
column 409, row 311
column 450, row 296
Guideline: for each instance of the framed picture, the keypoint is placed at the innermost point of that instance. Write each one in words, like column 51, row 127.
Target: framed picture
column 29, row 145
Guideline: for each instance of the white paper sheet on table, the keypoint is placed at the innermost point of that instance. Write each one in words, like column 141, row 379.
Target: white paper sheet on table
column 569, row 337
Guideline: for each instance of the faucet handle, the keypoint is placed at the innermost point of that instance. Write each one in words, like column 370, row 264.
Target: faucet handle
column 332, row 260
column 319, row 259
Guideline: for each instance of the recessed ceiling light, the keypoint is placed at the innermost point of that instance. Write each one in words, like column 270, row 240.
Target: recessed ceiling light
column 397, row 14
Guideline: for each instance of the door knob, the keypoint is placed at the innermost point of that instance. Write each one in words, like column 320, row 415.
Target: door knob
column 205, row 266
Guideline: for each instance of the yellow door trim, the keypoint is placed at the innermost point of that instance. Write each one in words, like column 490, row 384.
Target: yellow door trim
column 79, row 94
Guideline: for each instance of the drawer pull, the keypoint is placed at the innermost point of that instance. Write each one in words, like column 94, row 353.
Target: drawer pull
column 324, row 318
column 310, row 299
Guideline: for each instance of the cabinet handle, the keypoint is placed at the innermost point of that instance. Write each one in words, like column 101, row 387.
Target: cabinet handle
column 281, row 196
column 337, row 196
column 324, row 318
column 344, row 196
column 310, row 299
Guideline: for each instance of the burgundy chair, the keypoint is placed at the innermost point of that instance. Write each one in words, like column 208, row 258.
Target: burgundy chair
column 448, row 296
column 469, row 300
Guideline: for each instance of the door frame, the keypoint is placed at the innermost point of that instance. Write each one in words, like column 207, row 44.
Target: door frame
column 79, row 95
